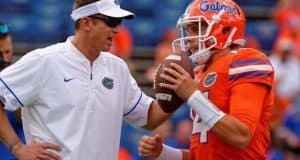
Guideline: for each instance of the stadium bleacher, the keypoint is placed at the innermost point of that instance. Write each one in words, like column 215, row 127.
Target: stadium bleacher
column 39, row 23
column 264, row 30
column 257, row 3
column 47, row 21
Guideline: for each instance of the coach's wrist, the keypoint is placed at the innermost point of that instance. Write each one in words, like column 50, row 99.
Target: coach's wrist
column 16, row 147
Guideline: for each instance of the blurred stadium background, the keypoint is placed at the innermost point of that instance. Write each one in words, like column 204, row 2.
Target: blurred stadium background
column 38, row 23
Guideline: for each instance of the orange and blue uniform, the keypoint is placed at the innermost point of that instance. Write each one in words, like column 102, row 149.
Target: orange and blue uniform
column 220, row 82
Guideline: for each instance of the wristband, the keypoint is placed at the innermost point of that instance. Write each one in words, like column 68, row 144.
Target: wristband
column 170, row 153
column 206, row 110
column 12, row 144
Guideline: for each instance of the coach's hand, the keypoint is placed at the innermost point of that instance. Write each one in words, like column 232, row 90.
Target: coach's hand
column 36, row 151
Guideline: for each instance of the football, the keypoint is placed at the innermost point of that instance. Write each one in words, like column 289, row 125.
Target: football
column 167, row 98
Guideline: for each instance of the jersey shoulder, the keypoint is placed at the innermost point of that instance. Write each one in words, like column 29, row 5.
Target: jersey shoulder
column 244, row 54
column 251, row 65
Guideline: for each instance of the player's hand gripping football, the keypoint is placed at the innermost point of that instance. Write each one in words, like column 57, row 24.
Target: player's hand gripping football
column 179, row 80
column 150, row 147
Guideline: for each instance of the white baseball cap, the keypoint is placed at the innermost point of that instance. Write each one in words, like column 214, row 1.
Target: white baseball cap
column 110, row 8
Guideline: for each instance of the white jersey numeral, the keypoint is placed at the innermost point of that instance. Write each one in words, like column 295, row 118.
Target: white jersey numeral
column 200, row 127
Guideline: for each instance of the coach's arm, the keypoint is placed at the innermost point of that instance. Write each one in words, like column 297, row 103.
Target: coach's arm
column 23, row 152
column 156, row 116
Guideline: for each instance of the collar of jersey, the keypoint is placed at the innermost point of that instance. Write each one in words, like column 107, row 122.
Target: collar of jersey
column 75, row 53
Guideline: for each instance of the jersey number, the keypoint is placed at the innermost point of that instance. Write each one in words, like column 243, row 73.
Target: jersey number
column 199, row 127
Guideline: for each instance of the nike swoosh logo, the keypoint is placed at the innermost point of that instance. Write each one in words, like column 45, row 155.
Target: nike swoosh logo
column 68, row 80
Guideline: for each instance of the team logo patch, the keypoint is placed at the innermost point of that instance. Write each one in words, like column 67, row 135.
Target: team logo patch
column 108, row 83
column 210, row 79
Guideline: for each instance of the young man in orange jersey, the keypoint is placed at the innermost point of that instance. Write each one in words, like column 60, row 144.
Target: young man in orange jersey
column 231, row 100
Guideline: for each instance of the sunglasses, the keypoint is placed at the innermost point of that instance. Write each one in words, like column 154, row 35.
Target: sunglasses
column 4, row 29
column 109, row 21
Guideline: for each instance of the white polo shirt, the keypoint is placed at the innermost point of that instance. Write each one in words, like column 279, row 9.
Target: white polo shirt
column 71, row 103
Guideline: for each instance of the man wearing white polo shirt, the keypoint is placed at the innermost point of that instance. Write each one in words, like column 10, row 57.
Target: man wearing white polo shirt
column 74, row 95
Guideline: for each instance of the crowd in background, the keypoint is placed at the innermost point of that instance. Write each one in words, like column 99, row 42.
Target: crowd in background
column 285, row 56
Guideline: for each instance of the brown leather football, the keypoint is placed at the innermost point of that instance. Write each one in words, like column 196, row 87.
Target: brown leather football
column 167, row 98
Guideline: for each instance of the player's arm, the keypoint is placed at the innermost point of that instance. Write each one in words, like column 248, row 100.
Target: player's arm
column 235, row 128
column 230, row 129
column 152, row 147
column 24, row 152
column 245, row 108
column 156, row 116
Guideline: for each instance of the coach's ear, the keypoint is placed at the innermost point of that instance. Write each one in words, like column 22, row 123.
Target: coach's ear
column 85, row 23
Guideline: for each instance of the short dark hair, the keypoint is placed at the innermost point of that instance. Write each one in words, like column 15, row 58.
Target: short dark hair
column 4, row 31
column 80, row 3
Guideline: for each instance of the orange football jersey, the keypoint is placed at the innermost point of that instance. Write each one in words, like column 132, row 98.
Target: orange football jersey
column 217, row 82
